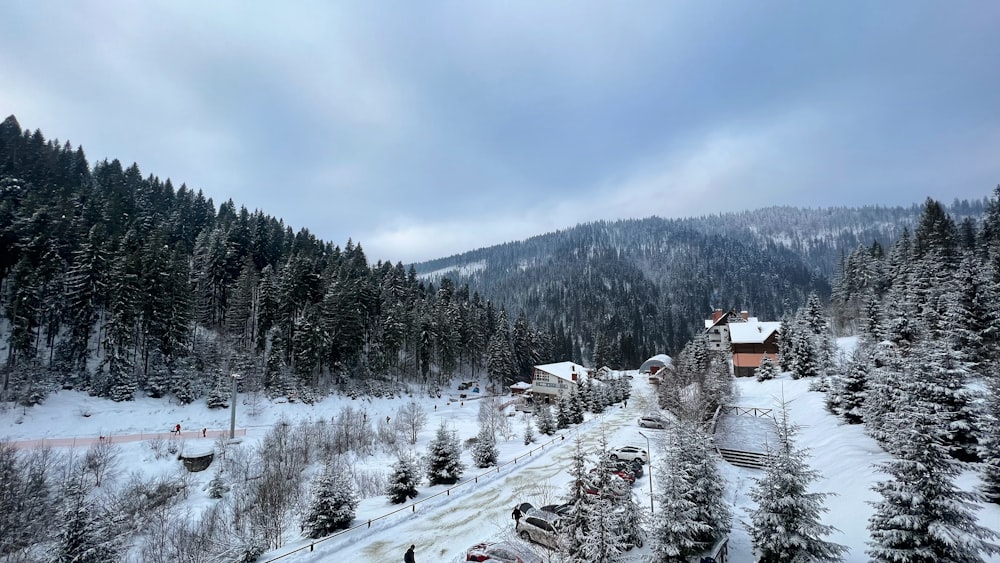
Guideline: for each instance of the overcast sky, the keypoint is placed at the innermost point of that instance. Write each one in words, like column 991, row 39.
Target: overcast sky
column 424, row 129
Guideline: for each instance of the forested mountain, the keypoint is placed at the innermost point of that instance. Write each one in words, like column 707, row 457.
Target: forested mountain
column 112, row 282
column 632, row 288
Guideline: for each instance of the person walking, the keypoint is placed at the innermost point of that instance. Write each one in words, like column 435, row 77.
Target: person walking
column 516, row 515
column 408, row 558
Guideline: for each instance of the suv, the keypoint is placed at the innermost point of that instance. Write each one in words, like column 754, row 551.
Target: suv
column 652, row 421
column 629, row 453
column 540, row 527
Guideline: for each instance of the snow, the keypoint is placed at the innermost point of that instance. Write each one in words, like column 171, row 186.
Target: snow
column 443, row 521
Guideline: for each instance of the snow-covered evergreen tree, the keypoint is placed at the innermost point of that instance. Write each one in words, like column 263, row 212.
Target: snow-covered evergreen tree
column 83, row 539
column 676, row 529
column 574, row 529
column 444, row 463
column 217, row 487
column 708, row 488
column 606, row 538
column 804, row 357
column 766, row 370
column 576, row 408
column 990, row 441
column 544, row 420
column 852, row 388
column 403, row 480
column 333, row 503
column 485, row 452
column 563, row 415
column 786, row 526
column 529, row 431
column 923, row 517
column 222, row 390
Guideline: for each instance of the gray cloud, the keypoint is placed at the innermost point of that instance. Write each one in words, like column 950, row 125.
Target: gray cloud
column 425, row 129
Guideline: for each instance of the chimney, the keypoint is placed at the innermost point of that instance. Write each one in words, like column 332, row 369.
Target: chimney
column 745, row 315
column 716, row 315
column 573, row 373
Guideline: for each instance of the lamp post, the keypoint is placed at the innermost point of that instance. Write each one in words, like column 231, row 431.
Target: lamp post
column 649, row 456
column 232, row 410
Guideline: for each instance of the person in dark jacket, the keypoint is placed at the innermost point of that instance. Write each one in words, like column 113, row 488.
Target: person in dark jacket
column 408, row 558
column 516, row 515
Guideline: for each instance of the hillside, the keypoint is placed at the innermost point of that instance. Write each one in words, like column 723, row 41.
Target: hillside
column 644, row 285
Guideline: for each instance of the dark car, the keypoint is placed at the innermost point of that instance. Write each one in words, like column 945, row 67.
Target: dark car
column 560, row 509
column 634, row 467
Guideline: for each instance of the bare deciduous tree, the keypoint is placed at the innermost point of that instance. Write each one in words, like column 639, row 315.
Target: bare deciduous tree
column 411, row 419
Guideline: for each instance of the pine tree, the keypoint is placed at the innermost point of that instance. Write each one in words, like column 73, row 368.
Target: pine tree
column 804, row 360
column 676, row 528
column 217, row 487
column 923, row 517
column 574, row 529
column 222, row 386
column 444, row 465
column 544, row 419
column 766, row 370
column 708, row 488
column 82, row 539
column 991, row 441
column 529, row 431
column 852, row 388
column 404, row 480
column 785, row 526
column 605, row 544
column 501, row 363
column 485, row 452
column 333, row 504
column 563, row 415
column 576, row 408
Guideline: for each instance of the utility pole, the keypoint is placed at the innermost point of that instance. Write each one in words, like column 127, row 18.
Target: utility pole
column 232, row 409
column 649, row 459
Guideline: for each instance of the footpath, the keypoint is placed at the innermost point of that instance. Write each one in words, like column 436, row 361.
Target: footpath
column 87, row 441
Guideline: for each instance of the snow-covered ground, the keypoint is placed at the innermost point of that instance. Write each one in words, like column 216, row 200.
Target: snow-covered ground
column 443, row 521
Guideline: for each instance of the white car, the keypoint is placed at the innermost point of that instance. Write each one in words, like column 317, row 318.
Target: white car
column 629, row 453
column 540, row 527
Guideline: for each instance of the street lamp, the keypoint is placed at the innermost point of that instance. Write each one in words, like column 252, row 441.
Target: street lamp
column 232, row 410
column 649, row 460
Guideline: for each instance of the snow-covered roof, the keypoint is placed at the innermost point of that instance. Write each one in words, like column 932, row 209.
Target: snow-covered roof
column 563, row 370
column 521, row 385
column 752, row 331
column 661, row 360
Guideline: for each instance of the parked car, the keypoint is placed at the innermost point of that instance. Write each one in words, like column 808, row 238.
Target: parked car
column 540, row 527
column 500, row 552
column 633, row 466
column 652, row 421
column 560, row 509
column 618, row 489
column 621, row 472
column 629, row 453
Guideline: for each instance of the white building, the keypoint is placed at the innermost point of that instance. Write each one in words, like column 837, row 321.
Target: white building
column 549, row 382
